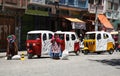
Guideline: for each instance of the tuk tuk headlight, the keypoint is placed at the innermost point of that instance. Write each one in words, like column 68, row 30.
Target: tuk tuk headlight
column 34, row 44
column 28, row 44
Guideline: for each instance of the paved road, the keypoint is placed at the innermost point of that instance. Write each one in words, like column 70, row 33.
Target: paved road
column 82, row 65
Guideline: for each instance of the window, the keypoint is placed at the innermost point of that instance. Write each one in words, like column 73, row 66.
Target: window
column 105, row 36
column 82, row 3
column 91, row 1
column 44, row 37
column 33, row 36
column 98, row 36
column 70, row 2
column 50, row 36
column 115, row 6
column 90, row 36
column 67, row 37
column 62, row 1
column 99, row 2
column 73, row 37
column 109, row 5
column 61, row 36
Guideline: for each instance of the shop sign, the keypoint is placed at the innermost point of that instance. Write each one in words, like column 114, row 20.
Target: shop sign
column 37, row 1
column 77, row 25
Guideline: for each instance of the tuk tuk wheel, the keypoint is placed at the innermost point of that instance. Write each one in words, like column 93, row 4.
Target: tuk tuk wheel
column 85, row 52
column 77, row 52
column 30, row 56
column 38, row 56
column 111, row 51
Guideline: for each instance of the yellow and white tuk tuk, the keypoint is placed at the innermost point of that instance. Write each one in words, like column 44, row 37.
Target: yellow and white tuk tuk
column 98, row 41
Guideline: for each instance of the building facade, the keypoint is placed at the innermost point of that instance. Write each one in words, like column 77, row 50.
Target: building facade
column 110, row 8
column 10, row 19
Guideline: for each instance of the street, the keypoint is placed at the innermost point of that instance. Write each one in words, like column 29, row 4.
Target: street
column 82, row 65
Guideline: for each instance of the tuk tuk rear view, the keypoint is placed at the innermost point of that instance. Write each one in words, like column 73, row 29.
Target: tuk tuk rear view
column 38, row 42
column 97, row 42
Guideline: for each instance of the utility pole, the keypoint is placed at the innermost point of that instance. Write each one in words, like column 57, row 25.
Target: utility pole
column 96, row 18
column 96, row 15
column 112, row 7
column 57, row 13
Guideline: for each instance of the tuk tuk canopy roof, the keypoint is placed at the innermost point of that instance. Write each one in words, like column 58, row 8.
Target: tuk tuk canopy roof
column 114, row 32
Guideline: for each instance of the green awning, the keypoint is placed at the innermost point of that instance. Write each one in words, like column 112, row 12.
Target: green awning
column 36, row 12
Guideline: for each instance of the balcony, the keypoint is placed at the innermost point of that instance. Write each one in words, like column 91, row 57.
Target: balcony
column 92, row 8
column 112, row 14
column 17, row 4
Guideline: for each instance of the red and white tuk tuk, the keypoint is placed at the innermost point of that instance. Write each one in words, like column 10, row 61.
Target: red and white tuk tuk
column 69, row 42
column 38, row 42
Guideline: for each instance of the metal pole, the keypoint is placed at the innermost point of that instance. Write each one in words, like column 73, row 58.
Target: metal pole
column 112, row 7
column 96, row 18
column 57, row 14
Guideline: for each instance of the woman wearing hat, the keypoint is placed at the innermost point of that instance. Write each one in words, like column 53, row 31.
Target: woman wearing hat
column 12, row 48
column 55, row 47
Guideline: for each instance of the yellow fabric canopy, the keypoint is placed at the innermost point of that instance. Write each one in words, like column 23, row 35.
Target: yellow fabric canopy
column 75, row 20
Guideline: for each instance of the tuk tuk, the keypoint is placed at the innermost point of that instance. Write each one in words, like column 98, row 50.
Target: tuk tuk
column 70, row 42
column 38, row 42
column 98, row 41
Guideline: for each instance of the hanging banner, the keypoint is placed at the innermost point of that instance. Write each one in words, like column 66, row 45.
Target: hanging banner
column 37, row 1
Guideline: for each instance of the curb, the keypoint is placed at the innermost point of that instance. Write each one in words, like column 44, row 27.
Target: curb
column 3, row 54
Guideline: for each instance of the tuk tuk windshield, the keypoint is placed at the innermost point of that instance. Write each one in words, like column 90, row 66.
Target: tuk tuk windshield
column 90, row 36
column 33, row 36
column 61, row 36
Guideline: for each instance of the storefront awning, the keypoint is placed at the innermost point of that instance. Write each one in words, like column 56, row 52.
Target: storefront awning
column 105, row 21
column 75, row 20
column 77, row 23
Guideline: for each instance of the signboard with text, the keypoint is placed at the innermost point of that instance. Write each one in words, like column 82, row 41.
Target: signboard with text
column 77, row 25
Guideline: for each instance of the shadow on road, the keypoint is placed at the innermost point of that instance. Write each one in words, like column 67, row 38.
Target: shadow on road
column 111, row 62
column 40, row 57
column 2, row 56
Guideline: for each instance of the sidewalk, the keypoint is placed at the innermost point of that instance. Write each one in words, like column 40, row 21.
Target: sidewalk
column 3, row 54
